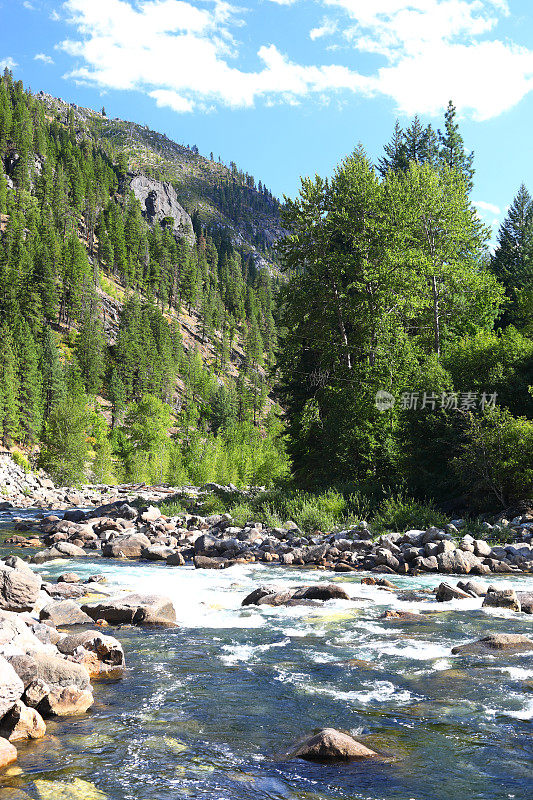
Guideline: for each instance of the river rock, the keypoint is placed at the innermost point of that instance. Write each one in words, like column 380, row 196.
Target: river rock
column 70, row 550
column 253, row 598
column 26, row 668
column 331, row 745
column 157, row 552
column 67, row 701
column 526, row 602
column 446, row 592
column 134, row 609
column 496, row 642
column 64, row 612
column 102, row 656
column 175, row 559
column 330, row 591
column 501, row 598
column 206, row 562
column 58, row 672
column 69, row 577
column 11, row 686
column 22, row 723
column 457, row 561
column 402, row 616
column 36, row 692
column 19, row 589
column 130, row 546
column 8, row 753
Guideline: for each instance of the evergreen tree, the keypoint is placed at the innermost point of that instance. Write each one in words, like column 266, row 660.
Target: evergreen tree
column 30, row 384
column 9, row 410
column 452, row 150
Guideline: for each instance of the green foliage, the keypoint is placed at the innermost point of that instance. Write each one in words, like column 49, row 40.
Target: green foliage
column 21, row 460
column 65, row 449
column 401, row 513
column 495, row 465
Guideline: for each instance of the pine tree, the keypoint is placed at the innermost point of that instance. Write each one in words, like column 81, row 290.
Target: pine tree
column 30, row 384
column 512, row 262
column 395, row 157
column 52, row 373
column 9, row 410
column 90, row 349
column 452, row 150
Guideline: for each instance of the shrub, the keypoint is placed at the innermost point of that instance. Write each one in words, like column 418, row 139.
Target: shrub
column 401, row 513
column 21, row 460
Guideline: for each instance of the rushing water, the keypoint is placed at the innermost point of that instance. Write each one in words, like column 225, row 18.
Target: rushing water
column 205, row 709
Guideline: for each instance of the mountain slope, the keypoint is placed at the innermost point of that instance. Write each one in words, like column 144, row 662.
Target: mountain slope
column 218, row 196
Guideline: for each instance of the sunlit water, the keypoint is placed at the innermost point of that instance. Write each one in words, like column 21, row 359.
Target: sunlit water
column 205, row 709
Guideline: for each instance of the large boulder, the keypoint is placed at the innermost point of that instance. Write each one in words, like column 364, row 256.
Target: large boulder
column 22, row 723
column 134, row 609
column 496, row 643
column 329, row 591
column 19, row 589
column 331, row 745
column 102, row 656
column 64, row 612
column 26, row 668
column 8, row 753
column 58, row 672
column 457, row 562
column 11, row 687
column 126, row 546
column 501, row 598
column 66, row 701
column 446, row 592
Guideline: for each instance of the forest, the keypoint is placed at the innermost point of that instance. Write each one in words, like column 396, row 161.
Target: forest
column 389, row 355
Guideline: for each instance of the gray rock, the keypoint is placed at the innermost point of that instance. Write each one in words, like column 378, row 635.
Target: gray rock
column 63, row 612
column 26, row 668
column 446, row 592
column 134, row 609
column 331, row 745
column 19, row 589
column 130, row 546
column 11, row 687
column 57, row 672
column 502, row 598
column 158, row 201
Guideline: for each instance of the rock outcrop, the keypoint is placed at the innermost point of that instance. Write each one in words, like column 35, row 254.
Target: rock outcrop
column 159, row 202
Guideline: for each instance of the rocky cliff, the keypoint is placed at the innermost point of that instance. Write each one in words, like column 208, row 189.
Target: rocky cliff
column 159, row 201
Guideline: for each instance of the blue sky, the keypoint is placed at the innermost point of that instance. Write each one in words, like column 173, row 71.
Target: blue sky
column 288, row 87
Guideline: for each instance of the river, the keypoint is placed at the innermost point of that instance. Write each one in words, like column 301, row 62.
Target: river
column 206, row 708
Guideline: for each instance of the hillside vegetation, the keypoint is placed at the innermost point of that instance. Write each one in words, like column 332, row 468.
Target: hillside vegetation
column 111, row 319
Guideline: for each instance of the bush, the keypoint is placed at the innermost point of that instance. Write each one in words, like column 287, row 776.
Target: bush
column 65, row 448
column 21, row 460
column 398, row 513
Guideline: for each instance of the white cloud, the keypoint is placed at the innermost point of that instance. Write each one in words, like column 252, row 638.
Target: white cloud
column 44, row 58
column 434, row 50
column 186, row 57
column 54, row 16
column 28, row 5
column 490, row 208
column 8, row 62
column 328, row 28
column 180, row 55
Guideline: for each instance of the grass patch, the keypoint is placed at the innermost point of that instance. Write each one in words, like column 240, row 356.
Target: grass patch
column 21, row 460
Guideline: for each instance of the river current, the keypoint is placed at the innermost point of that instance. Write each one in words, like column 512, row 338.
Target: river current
column 205, row 710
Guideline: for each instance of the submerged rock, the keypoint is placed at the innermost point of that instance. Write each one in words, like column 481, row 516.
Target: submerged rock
column 496, row 642
column 331, row 745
